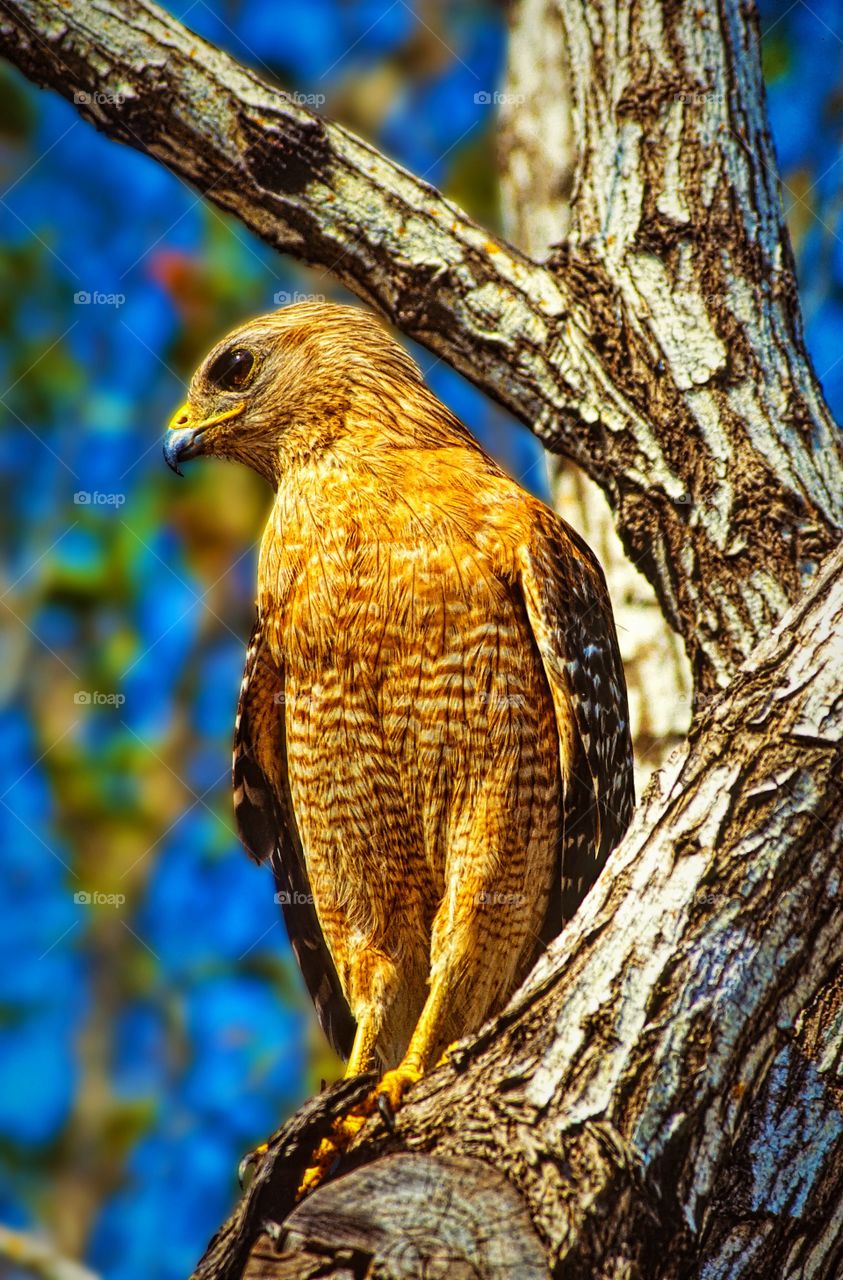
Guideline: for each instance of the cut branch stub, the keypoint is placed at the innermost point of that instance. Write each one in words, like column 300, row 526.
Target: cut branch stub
column 406, row 1216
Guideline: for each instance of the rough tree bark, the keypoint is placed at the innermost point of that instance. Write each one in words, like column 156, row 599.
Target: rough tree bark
column 663, row 1097
column 537, row 165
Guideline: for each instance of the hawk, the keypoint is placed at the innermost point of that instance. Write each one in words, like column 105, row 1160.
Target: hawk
column 432, row 745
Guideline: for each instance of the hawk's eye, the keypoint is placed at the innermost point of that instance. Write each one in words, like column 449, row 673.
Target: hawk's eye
column 231, row 370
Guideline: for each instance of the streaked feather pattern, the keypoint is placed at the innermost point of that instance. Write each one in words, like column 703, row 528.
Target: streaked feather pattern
column 432, row 746
column 268, row 830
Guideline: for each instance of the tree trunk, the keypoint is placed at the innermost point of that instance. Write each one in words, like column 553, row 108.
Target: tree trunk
column 663, row 1096
column 537, row 156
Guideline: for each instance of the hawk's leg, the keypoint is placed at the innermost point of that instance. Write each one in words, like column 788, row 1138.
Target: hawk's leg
column 361, row 1060
column 482, row 939
column 464, row 988
column 429, row 1043
column 362, row 1057
column 460, row 995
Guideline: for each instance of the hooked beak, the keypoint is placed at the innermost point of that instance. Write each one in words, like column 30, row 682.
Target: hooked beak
column 184, row 436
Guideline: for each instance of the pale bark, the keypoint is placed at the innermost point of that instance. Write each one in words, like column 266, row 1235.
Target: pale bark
column 663, row 1096
column 38, row 1257
column 537, row 155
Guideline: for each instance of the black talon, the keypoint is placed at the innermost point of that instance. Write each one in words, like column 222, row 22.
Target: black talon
column 249, row 1161
column 386, row 1112
column 275, row 1232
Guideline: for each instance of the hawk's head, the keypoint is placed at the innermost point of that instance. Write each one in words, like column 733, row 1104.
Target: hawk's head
column 280, row 387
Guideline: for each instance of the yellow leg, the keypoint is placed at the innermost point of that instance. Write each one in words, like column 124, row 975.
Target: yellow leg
column 362, row 1057
column 429, row 1039
column 427, row 1044
column 361, row 1060
column 447, row 1053
column 393, row 1086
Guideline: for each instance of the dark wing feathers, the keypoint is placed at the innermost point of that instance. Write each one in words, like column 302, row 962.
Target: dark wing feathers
column 571, row 618
column 267, row 826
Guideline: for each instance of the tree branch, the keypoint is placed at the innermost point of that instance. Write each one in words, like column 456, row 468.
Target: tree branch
column 697, row 414
column 27, row 1252
column 538, row 160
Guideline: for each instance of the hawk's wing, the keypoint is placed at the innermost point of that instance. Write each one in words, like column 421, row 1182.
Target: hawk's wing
column 571, row 618
column 267, row 826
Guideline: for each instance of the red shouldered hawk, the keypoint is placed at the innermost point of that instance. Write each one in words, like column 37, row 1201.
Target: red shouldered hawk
column 432, row 742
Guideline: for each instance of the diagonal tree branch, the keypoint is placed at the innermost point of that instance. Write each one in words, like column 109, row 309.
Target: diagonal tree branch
column 697, row 413
column 38, row 1257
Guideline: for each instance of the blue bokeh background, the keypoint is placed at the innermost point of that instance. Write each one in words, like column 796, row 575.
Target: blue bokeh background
column 152, row 1026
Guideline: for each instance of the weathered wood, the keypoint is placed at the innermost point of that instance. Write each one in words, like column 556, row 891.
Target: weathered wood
column 537, row 156
column 678, row 254
column 404, row 1217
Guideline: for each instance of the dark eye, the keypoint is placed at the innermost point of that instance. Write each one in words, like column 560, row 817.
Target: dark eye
column 232, row 369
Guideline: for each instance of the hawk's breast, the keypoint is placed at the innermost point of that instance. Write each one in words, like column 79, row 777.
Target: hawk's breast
column 412, row 683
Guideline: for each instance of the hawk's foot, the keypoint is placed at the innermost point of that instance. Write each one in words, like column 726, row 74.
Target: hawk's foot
column 393, row 1086
column 324, row 1157
column 386, row 1097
